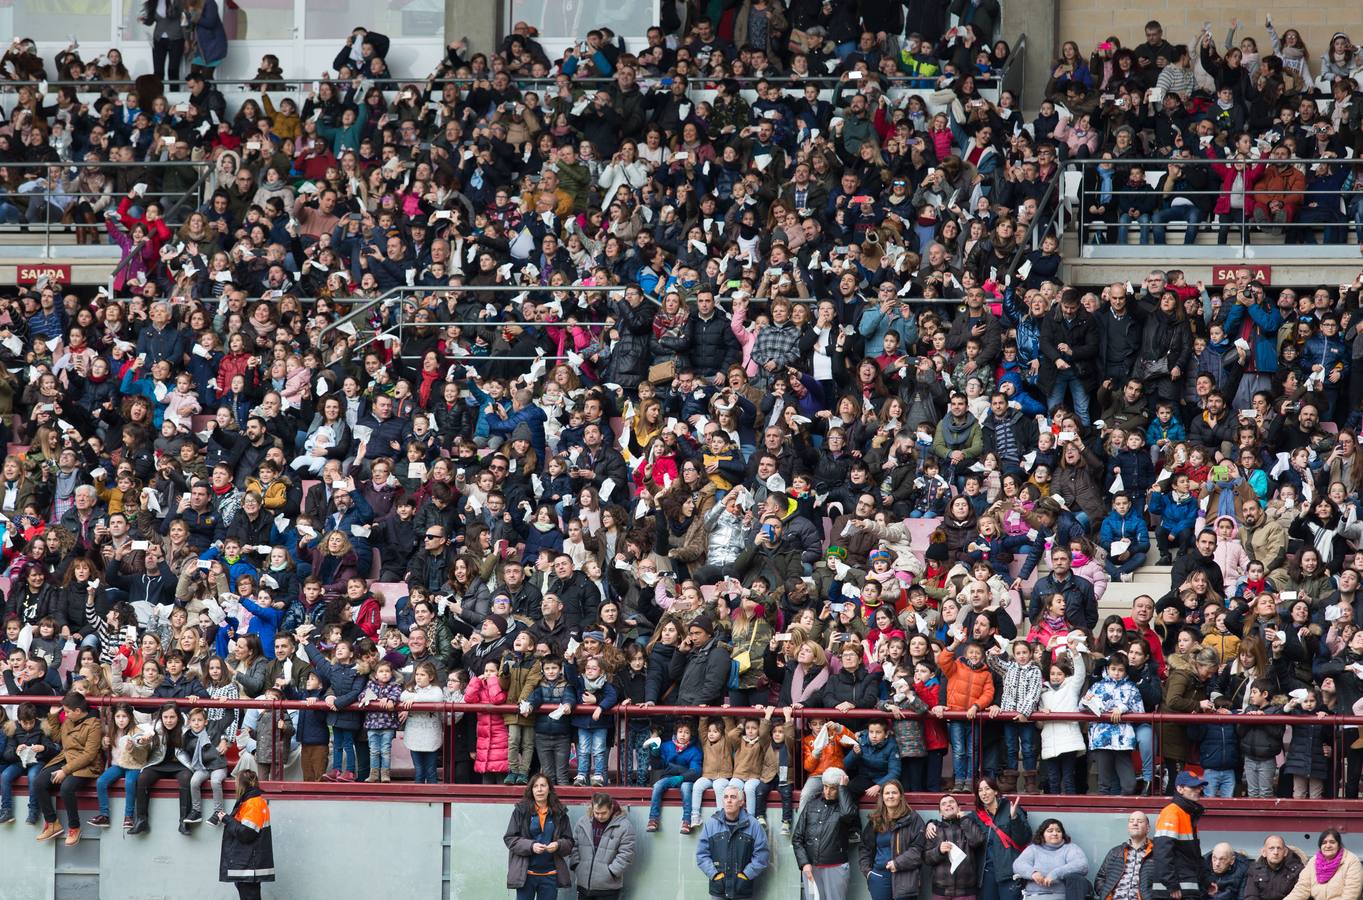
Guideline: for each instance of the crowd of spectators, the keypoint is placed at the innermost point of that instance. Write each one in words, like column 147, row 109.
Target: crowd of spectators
column 822, row 434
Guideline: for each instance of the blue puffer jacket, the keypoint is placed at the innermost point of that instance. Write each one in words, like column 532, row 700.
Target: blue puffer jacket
column 1267, row 320
column 685, row 762
column 1130, row 527
column 878, row 762
column 1174, row 516
column 553, row 694
column 1218, row 746
column 1329, row 354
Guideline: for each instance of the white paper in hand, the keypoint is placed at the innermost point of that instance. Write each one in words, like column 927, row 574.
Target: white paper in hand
column 957, row 856
column 1120, row 546
column 607, row 488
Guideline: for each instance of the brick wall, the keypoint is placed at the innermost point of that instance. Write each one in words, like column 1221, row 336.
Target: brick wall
column 1087, row 22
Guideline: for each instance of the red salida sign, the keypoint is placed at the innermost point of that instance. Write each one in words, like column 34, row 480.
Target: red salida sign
column 56, row 273
column 1226, row 274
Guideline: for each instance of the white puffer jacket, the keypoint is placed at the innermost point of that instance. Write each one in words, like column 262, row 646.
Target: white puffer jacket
column 1063, row 737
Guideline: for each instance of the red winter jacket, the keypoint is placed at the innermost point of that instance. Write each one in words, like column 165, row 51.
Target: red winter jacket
column 491, row 751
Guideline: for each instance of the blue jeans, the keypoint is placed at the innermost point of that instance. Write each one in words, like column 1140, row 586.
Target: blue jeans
column 662, row 786
column 1024, row 733
column 1117, row 570
column 698, row 790
column 1190, row 214
column 638, row 755
column 591, row 751
column 993, row 889
column 1067, row 380
column 7, row 779
column 880, row 884
column 962, row 750
column 381, row 748
column 1220, row 782
column 1145, row 743
column 343, row 749
column 538, row 887
column 1143, row 222
column 108, row 777
column 423, row 766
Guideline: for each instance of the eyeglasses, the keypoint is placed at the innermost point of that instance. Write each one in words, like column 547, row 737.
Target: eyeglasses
column 435, row 537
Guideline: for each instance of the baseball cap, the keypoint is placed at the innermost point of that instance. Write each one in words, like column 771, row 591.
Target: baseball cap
column 1189, row 780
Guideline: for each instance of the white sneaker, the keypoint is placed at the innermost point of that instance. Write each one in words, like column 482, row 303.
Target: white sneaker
column 1128, row 577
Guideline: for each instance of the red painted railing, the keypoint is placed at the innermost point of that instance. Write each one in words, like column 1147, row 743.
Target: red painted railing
column 621, row 715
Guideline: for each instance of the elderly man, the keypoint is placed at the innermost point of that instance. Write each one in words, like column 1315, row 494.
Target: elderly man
column 732, row 851
column 1226, row 870
column 162, row 340
column 820, row 838
column 1127, row 866
column 83, row 517
column 1274, row 874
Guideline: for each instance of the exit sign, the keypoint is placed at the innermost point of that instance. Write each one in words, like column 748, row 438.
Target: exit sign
column 1227, row 274
column 55, row 273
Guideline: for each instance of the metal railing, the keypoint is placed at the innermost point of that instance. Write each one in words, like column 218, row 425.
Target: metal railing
column 1014, row 77
column 663, row 716
column 171, row 202
column 1073, row 210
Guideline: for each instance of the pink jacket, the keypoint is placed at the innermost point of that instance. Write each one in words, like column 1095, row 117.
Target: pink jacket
column 1075, row 139
column 491, row 752
column 1095, row 572
column 1231, row 557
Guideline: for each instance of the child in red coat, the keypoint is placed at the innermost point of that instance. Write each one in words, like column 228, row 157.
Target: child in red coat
column 490, row 755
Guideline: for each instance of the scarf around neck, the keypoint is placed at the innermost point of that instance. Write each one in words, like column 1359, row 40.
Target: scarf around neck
column 799, row 691
column 1326, row 868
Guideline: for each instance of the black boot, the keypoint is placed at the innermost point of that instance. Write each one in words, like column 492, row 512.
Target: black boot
column 140, row 827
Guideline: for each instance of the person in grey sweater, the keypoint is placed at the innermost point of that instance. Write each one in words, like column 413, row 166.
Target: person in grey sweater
column 1052, row 867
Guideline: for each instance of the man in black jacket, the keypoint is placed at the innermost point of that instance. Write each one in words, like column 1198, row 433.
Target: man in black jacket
column 1274, row 874
column 1199, row 557
column 579, row 596
column 1131, row 854
column 430, row 565
column 700, row 667
column 1008, row 434
column 820, row 836
column 1069, row 344
column 712, row 347
column 599, row 463
column 628, row 101
column 1119, row 338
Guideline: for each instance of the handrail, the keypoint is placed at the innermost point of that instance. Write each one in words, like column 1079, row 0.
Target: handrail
column 402, row 322
column 1161, row 165
column 105, row 164
column 805, row 712
column 1014, row 76
column 92, row 87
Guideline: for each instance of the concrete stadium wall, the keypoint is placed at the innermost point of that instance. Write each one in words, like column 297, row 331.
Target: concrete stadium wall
column 326, row 849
